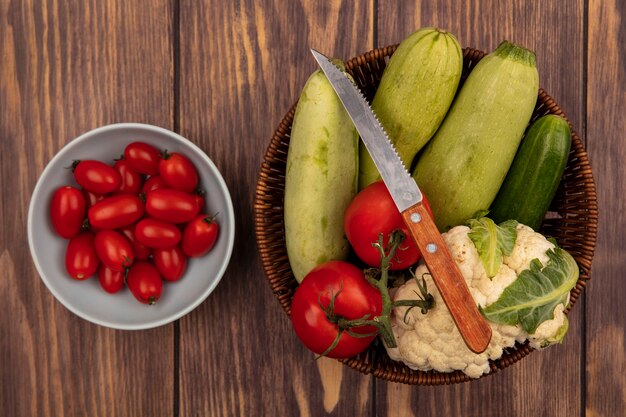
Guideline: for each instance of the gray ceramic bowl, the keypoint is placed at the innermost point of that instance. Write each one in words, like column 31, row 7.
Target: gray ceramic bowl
column 86, row 298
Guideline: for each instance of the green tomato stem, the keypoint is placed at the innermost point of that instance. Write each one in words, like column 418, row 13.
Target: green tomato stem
column 384, row 320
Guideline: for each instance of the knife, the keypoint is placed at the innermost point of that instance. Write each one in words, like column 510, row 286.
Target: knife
column 473, row 327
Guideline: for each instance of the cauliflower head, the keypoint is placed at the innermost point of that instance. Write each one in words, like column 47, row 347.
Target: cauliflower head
column 432, row 341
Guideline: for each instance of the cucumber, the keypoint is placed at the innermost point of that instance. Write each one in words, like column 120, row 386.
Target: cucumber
column 462, row 168
column 321, row 177
column 415, row 92
column 535, row 174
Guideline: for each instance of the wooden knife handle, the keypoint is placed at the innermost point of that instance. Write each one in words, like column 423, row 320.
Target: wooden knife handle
column 473, row 327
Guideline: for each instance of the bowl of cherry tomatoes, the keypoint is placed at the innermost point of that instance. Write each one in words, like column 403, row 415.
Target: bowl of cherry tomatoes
column 131, row 226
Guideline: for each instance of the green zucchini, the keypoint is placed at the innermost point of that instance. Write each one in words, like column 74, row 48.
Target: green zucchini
column 462, row 168
column 321, row 177
column 415, row 92
column 535, row 174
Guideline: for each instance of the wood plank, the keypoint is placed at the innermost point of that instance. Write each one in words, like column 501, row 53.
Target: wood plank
column 606, row 313
column 555, row 32
column 68, row 67
column 243, row 65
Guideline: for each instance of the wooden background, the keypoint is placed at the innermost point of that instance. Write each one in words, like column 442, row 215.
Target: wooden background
column 222, row 73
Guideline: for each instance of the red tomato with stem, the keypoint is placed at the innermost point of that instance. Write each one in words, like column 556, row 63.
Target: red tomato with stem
column 144, row 282
column 157, row 234
column 111, row 281
column 114, row 250
column 96, row 176
column 143, row 158
column 343, row 287
column 67, row 211
column 92, row 198
column 171, row 206
column 155, row 182
column 116, row 212
column 131, row 179
column 178, row 172
column 81, row 259
column 141, row 251
column 171, row 262
column 200, row 235
column 372, row 212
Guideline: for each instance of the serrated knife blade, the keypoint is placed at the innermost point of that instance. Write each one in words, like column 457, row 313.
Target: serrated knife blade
column 474, row 329
column 400, row 184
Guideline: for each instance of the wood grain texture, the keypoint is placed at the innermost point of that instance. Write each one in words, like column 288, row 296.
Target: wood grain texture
column 68, row 67
column 243, row 64
column 606, row 123
column 555, row 32
column 225, row 73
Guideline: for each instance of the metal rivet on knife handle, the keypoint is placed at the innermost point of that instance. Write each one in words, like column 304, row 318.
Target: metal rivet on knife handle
column 431, row 248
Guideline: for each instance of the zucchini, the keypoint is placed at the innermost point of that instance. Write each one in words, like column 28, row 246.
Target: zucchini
column 321, row 177
column 415, row 92
column 535, row 174
column 462, row 168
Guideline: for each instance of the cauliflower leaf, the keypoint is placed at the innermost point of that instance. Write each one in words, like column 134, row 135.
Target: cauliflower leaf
column 533, row 296
column 492, row 241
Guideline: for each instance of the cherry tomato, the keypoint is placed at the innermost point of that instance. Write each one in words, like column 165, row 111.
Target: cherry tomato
column 171, row 262
column 178, row 172
column 111, row 281
column 172, row 206
column 114, row 250
column 116, row 212
column 144, row 282
column 143, row 158
column 96, row 176
column 67, row 211
column 372, row 212
column 155, row 182
column 141, row 251
column 200, row 200
column 354, row 298
column 131, row 179
column 157, row 234
column 200, row 235
column 81, row 260
column 92, row 198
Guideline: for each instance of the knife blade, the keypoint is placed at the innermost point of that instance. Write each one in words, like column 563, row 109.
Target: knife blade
column 405, row 192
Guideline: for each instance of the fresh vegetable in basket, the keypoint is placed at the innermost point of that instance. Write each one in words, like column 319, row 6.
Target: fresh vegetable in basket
column 338, row 309
column 331, row 295
column 415, row 92
column 524, row 300
column 321, row 177
column 534, row 177
column 463, row 166
column 520, row 280
column 373, row 212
